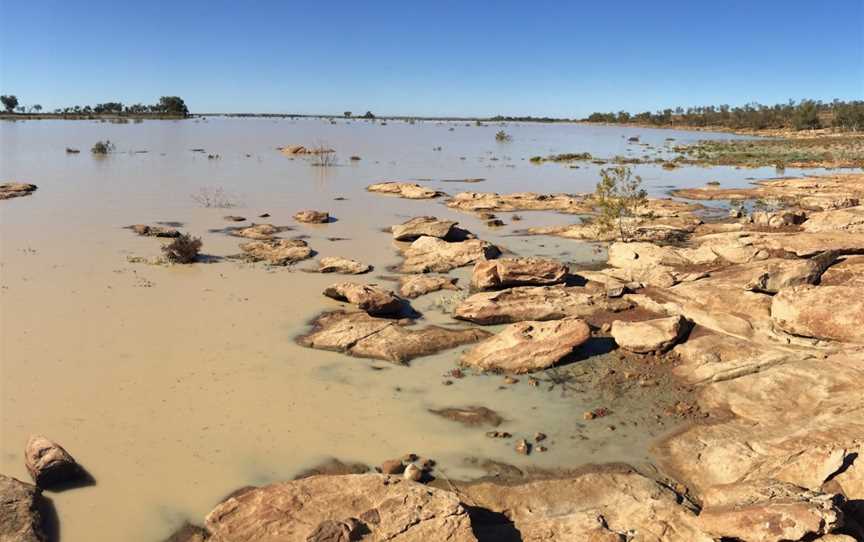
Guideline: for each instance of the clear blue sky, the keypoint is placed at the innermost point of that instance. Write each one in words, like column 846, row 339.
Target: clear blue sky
column 447, row 57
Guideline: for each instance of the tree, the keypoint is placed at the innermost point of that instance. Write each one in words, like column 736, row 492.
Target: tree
column 618, row 195
column 37, row 108
column 10, row 102
column 173, row 105
column 369, row 115
column 806, row 116
column 347, row 114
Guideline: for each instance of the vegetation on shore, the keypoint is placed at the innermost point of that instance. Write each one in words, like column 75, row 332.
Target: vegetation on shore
column 166, row 107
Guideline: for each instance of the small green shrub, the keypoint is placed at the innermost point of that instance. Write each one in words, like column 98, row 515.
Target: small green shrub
column 503, row 137
column 619, row 195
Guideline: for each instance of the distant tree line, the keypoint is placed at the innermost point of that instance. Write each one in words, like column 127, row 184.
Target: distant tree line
column 167, row 105
column 803, row 115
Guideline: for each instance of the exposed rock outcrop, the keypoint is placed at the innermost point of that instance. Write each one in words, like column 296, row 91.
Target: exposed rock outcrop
column 657, row 335
column 505, row 272
column 276, row 251
column 16, row 190
column 430, row 254
column 345, row 266
column 404, row 190
column 524, row 303
column 823, row 312
column 412, row 286
column 424, row 225
column 20, row 518
column 372, row 299
column 312, row 217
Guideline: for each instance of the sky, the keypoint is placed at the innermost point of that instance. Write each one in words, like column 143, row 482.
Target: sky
column 442, row 58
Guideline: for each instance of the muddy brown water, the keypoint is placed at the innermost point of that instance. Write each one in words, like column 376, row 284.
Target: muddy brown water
column 174, row 385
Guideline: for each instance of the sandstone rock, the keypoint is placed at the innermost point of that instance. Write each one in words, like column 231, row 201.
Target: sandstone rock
column 20, row 519
column 423, row 225
column 15, row 190
column 656, row 335
column 234, row 218
column 413, row 473
column 520, row 201
column 312, row 217
column 412, row 286
column 778, row 219
column 154, row 231
column 430, row 254
column 504, row 272
column 345, row 266
column 822, row 312
column 293, row 511
column 471, row 416
column 527, row 303
column 849, row 220
column 392, row 466
column 257, row 231
column 404, row 190
column 361, row 335
column 528, row 346
column 48, row 463
column 276, row 251
column 772, row 275
column 376, row 301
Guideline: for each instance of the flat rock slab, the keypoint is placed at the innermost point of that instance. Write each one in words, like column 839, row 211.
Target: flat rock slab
column 276, row 251
column 520, row 201
column 345, row 266
column 312, row 217
column 423, row 225
column 388, row 508
column 358, row 334
column 16, row 190
column 430, row 254
column 822, row 312
column 154, row 231
column 506, row 272
column 20, row 520
column 472, row 416
column 525, row 347
column 657, row 335
column 527, row 303
column 412, row 286
column 257, row 231
column 372, row 299
column 48, row 463
column 404, row 190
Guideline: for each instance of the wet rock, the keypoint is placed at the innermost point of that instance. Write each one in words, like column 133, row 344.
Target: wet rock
column 822, row 312
column 430, row 254
column 413, row 286
column 361, row 335
column 528, row 346
column 471, row 416
column 276, row 251
column 404, row 190
column 258, row 231
column 233, row 218
column 423, row 225
column 392, row 466
column 539, row 437
column 376, row 301
column 329, row 467
column 656, row 335
column 312, row 217
column 154, row 231
column 345, row 266
column 294, row 510
column 49, row 464
column 527, row 303
column 187, row 533
column 412, row 472
column 15, row 190
column 20, row 519
column 523, row 447
column 506, row 272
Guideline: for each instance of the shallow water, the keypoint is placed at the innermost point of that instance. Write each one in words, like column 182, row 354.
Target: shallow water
column 175, row 385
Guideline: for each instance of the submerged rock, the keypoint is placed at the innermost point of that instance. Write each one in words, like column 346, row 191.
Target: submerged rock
column 412, row 286
column 528, row 303
column 657, row 335
column 374, row 300
column 472, row 416
column 20, row 519
column 312, row 217
column 821, row 312
column 16, row 190
column 276, row 251
column 49, row 464
column 335, row 264
column 428, row 254
column 423, row 225
column 154, row 231
column 387, row 508
column 505, row 272
column 404, row 190
column 358, row 334
column 528, row 346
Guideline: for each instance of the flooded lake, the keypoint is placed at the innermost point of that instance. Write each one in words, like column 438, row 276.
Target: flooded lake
column 174, row 385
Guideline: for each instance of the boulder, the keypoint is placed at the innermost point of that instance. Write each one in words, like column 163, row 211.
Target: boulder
column 276, row 251
column 404, row 190
column 345, row 266
column 372, row 299
column 15, row 190
column 430, row 254
column 525, row 347
column 472, row 416
column 20, row 519
column 505, row 272
column 423, row 225
column 527, row 303
column 358, row 334
column 778, row 219
column 333, row 507
column 312, row 217
column 154, row 231
column 822, row 312
column 849, row 220
column 657, row 335
column 49, row 464
column 257, row 231
column 412, row 286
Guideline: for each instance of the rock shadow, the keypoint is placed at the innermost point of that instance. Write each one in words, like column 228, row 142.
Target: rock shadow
column 489, row 526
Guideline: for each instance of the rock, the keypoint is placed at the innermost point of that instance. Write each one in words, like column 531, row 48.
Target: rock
column 361, row 335
column 258, row 231
column 412, row 472
column 505, row 272
column 539, row 437
column 778, row 219
column 312, row 217
column 527, row 303
column 656, row 335
column 233, row 218
column 376, row 301
column 337, row 531
column 48, row 463
column 523, row 447
column 345, row 266
column 404, row 190
column 154, row 231
column 849, row 220
column 471, row 416
column 528, row 346
column 430, row 254
column 413, row 286
column 392, row 466
column 20, row 519
column 276, row 251
column 290, row 511
column 15, row 190
column 299, row 150
column 521, row 201
column 423, row 225
column 772, row 275
column 821, row 312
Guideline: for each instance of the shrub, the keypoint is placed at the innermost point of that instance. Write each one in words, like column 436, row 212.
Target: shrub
column 213, row 197
column 183, row 249
column 102, row 147
column 619, row 195
column 503, row 136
